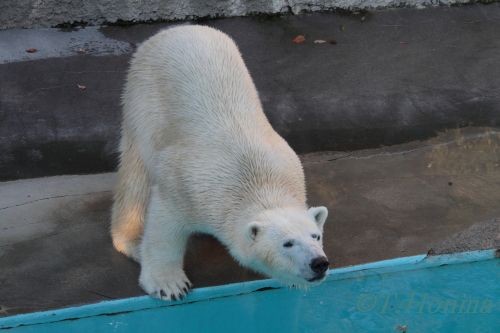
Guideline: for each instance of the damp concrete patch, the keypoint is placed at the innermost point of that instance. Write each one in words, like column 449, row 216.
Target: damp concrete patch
column 35, row 44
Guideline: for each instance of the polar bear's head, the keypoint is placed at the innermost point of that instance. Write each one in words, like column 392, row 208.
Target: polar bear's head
column 287, row 244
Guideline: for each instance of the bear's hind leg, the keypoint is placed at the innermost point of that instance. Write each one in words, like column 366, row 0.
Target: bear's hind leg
column 162, row 251
column 130, row 200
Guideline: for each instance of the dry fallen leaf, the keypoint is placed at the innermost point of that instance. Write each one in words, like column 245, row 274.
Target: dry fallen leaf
column 332, row 41
column 31, row 50
column 319, row 41
column 81, row 87
column 299, row 39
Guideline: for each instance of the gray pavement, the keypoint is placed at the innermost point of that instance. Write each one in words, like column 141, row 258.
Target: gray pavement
column 441, row 195
column 393, row 76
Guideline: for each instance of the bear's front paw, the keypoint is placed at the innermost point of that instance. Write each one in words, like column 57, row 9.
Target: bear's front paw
column 167, row 283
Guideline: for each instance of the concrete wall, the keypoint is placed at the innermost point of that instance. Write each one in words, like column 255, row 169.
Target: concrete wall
column 393, row 76
column 47, row 13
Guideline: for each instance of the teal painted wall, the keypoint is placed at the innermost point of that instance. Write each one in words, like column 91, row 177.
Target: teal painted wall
column 439, row 294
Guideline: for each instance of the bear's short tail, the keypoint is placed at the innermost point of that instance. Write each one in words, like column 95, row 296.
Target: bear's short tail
column 130, row 200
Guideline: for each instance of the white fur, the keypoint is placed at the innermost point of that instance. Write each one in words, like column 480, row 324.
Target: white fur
column 199, row 155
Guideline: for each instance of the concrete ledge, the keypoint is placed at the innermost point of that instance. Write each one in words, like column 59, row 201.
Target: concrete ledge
column 47, row 13
column 395, row 76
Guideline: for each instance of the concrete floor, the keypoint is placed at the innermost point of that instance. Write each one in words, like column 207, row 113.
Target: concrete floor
column 441, row 194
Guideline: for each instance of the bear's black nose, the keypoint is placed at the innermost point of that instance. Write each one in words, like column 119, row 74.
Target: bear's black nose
column 319, row 265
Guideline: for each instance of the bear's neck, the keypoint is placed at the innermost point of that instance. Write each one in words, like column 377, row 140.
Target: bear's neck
column 251, row 205
column 264, row 197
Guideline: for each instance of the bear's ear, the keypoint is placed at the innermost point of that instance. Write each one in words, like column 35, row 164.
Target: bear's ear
column 253, row 230
column 319, row 214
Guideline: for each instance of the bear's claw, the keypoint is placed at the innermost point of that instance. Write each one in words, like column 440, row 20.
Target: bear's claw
column 168, row 283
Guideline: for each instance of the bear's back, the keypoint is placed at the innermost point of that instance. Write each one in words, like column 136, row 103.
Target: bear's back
column 192, row 107
column 194, row 78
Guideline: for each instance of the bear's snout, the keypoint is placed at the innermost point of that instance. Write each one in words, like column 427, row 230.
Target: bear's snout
column 319, row 265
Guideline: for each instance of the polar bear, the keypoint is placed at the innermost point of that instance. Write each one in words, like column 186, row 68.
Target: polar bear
column 199, row 155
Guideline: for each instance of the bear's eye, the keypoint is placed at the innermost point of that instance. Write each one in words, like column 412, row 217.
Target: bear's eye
column 315, row 236
column 288, row 244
